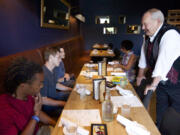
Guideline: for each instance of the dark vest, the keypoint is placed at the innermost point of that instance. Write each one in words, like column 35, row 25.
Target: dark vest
column 153, row 50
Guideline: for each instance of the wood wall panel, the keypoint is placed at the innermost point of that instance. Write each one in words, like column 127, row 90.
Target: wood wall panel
column 72, row 49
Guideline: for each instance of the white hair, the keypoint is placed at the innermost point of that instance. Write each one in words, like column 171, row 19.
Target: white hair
column 156, row 14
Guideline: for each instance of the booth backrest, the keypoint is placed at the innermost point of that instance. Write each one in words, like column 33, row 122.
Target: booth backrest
column 73, row 48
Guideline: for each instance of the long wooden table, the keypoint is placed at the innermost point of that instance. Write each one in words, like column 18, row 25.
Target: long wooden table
column 138, row 114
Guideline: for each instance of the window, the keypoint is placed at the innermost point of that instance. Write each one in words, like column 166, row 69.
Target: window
column 109, row 30
column 133, row 29
column 102, row 20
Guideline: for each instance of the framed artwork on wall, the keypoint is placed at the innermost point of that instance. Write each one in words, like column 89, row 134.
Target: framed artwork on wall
column 102, row 20
column 110, row 30
column 122, row 19
column 133, row 29
column 55, row 14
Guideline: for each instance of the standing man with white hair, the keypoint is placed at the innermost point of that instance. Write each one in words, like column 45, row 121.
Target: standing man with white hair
column 160, row 53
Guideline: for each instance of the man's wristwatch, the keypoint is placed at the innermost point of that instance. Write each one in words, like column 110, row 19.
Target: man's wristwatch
column 36, row 118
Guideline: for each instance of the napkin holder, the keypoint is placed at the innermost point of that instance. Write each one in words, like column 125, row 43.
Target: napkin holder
column 99, row 88
column 102, row 68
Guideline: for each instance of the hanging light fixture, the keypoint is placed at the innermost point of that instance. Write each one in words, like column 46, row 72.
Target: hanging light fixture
column 80, row 17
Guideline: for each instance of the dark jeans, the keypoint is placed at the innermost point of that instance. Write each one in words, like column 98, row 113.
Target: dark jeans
column 170, row 124
column 52, row 111
column 167, row 94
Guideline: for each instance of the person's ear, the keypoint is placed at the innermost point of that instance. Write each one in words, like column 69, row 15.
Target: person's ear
column 50, row 57
column 23, row 85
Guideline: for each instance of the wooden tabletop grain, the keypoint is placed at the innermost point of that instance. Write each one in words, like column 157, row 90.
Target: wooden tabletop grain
column 138, row 114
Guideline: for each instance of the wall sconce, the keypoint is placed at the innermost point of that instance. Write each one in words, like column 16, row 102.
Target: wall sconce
column 133, row 29
column 80, row 17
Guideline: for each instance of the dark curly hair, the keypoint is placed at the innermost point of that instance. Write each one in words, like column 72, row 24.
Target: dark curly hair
column 20, row 71
column 127, row 45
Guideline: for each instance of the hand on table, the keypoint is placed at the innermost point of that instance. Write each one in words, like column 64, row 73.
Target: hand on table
column 67, row 76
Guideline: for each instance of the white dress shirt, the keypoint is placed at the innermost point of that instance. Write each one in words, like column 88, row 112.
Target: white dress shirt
column 169, row 51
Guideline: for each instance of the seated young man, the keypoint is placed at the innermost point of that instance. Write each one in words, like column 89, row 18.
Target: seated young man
column 49, row 93
column 63, row 77
column 20, row 106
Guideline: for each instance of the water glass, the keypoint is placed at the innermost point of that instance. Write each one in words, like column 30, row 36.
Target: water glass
column 125, row 110
column 82, row 94
column 123, row 82
column 70, row 130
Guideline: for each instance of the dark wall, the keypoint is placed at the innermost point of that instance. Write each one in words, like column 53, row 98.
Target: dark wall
column 20, row 23
column 132, row 9
column 20, row 27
